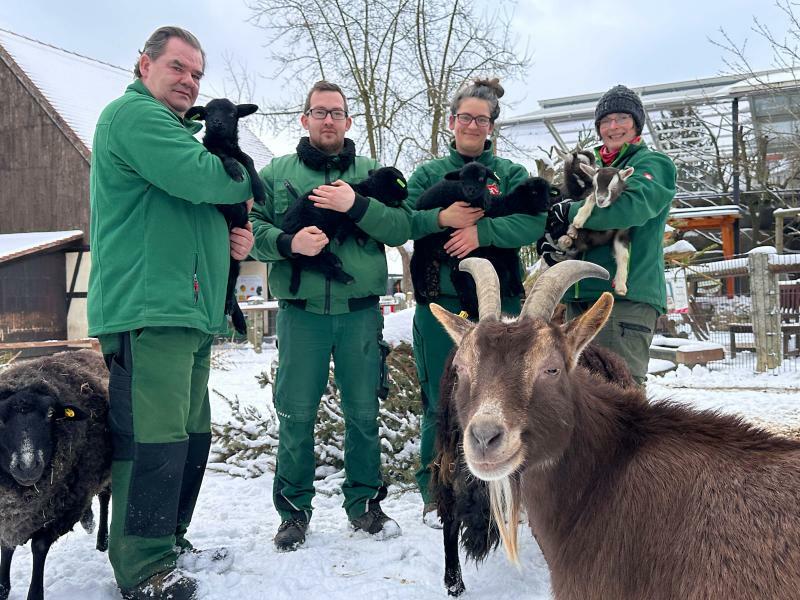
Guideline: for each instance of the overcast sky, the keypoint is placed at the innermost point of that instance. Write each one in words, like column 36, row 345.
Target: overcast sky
column 578, row 46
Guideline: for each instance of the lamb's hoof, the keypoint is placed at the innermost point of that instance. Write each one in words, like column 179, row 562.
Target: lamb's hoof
column 565, row 242
column 456, row 589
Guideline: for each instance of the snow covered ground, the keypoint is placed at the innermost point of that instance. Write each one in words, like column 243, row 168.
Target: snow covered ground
column 338, row 564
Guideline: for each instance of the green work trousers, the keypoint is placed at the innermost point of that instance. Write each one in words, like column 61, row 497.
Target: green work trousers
column 628, row 332
column 306, row 343
column 160, row 421
column 432, row 346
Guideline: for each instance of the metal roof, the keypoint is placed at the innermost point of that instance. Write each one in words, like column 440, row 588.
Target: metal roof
column 79, row 87
column 17, row 245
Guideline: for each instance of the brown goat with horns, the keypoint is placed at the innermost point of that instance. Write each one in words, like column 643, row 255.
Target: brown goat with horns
column 628, row 499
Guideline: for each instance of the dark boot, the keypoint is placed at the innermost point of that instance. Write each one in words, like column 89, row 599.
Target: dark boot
column 291, row 533
column 376, row 523
column 172, row 585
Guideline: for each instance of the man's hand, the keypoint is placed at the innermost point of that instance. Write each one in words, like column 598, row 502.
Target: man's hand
column 462, row 241
column 242, row 241
column 309, row 241
column 338, row 196
column 459, row 215
column 249, row 204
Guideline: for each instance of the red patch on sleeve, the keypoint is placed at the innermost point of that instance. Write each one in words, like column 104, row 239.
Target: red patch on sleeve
column 493, row 188
column 650, row 177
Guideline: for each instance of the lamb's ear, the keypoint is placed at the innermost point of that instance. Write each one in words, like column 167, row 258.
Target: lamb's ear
column 579, row 332
column 70, row 413
column 590, row 170
column 625, row 173
column 457, row 327
column 196, row 113
column 242, row 110
column 453, row 176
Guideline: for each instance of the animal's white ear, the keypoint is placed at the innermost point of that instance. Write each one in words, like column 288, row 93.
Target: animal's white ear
column 588, row 169
column 457, row 327
column 562, row 155
column 581, row 331
column 625, row 173
column 242, row 110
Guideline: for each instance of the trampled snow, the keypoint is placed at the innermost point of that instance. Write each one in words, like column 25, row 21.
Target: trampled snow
column 336, row 563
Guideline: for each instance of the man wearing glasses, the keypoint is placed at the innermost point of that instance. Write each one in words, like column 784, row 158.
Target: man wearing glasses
column 327, row 318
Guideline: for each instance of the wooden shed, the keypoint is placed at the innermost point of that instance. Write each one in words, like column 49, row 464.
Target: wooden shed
column 52, row 99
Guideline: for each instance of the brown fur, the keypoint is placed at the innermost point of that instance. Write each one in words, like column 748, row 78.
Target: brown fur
column 628, row 499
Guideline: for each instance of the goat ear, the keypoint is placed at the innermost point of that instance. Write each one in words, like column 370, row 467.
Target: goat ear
column 562, row 155
column 625, row 173
column 453, row 176
column 581, row 331
column 457, row 327
column 70, row 413
column 242, row 110
column 588, row 169
column 196, row 113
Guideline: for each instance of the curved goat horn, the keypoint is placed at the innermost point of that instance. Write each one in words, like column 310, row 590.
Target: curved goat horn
column 553, row 283
column 487, row 284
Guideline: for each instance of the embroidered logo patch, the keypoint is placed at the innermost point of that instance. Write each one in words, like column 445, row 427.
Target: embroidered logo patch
column 493, row 188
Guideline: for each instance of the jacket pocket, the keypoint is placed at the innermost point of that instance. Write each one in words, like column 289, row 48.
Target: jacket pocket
column 626, row 327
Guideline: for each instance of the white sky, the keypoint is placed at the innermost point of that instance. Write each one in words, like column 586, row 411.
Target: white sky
column 579, row 47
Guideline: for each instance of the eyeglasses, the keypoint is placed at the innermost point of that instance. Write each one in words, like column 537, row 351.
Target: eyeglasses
column 336, row 114
column 618, row 119
column 466, row 119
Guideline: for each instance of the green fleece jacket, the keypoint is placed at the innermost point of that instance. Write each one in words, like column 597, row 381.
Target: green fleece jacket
column 289, row 176
column 643, row 207
column 160, row 249
column 513, row 231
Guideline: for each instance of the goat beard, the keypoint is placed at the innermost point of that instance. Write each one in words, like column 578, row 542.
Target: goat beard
column 504, row 502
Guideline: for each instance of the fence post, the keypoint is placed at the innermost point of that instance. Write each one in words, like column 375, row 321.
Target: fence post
column 765, row 313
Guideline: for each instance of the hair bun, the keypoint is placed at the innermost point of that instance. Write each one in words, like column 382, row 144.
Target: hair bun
column 493, row 84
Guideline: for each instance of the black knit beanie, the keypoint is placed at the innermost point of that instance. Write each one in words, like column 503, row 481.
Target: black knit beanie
column 620, row 99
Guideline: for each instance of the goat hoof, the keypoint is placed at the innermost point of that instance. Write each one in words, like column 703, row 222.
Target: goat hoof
column 456, row 589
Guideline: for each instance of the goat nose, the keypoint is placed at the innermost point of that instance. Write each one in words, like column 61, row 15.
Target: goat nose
column 486, row 435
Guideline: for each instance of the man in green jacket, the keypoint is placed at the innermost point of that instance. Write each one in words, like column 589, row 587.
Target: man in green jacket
column 156, row 296
column 326, row 318
column 473, row 112
column 643, row 207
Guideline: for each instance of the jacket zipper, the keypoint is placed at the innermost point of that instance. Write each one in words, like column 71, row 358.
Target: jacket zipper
column 195, row 282
column 327, row 279
column 632, row 327
column 290, row 188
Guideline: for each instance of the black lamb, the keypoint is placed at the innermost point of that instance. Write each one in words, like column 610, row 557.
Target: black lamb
column 385, row 184
column 222, row 138
column 55, row 455
column 469, row 184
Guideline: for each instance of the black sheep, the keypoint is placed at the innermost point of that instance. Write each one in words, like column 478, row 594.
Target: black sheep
column 222, row 139
column 469, row 184
column 385, row 184
column 55, row 455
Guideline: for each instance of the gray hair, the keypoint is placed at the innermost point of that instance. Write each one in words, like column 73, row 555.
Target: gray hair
column 157, row 43
column 489, row 90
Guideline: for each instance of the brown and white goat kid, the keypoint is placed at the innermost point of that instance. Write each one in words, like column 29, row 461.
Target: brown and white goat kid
column 608, row 183
column 628, row 499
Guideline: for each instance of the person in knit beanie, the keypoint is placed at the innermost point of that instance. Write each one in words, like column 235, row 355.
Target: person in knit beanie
column 642, row 208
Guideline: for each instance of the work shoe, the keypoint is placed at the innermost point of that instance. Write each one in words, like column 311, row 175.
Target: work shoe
column 194, row 560
column 291, row 533
column 376, row 523
column 166, row 585
column 430, row 516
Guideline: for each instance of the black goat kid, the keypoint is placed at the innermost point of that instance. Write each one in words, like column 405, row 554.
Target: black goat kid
column 469, row 184
column 385, row 184
column 222, row 138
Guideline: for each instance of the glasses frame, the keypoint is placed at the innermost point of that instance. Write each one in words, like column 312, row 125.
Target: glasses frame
column 623, row 119
column 310, row 113
column 467, row 119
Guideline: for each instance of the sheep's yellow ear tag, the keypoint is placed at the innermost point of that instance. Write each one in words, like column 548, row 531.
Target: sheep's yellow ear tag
column 195, row 117
column 464, row 314
column 69, row 413
column 401, row 183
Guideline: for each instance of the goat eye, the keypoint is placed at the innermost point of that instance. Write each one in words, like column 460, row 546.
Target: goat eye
column 50, row 412
column 552, row 372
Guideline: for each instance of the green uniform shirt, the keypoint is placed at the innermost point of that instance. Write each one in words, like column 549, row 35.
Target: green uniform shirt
column 365, row 262
column 513, row 231
column 643, row 207
column 160, row 249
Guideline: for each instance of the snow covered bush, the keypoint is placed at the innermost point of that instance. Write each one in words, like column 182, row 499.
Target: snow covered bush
column 246, row 445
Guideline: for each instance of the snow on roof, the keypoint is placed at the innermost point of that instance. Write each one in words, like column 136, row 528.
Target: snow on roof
column 79, row 87
column 15, row 245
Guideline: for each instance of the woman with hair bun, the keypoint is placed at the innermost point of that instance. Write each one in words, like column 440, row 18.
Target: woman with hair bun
column 473, row 112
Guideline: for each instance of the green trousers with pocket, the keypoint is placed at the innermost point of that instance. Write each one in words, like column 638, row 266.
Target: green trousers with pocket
column 160, row 421
column 306, row 343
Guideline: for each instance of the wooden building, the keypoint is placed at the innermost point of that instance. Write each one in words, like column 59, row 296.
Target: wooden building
column 52, row 99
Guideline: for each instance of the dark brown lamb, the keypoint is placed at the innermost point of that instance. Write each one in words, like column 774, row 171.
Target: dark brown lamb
column 627, row 498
